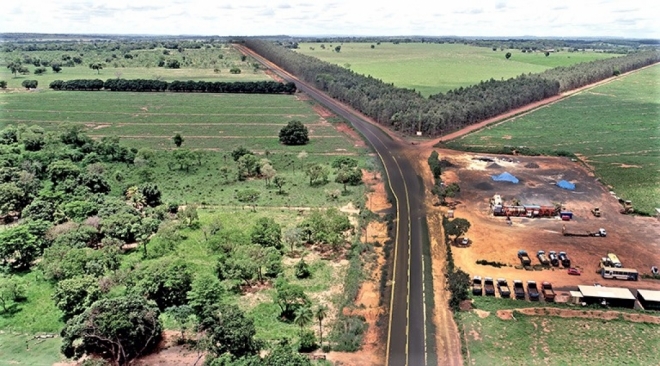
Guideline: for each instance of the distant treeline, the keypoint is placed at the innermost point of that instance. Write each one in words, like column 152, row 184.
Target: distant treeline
column 151, row 85
column 407, row 111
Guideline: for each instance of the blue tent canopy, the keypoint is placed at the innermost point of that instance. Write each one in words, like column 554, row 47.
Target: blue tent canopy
column 566, row 185
column 505, row 177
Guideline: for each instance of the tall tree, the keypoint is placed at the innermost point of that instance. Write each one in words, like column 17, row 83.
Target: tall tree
column 229, row 331
column 267, row 233
column 121, row 329
column 178, row 139
column 294, row 133
column 96, row 66
column 320, row 314
column 303, row 316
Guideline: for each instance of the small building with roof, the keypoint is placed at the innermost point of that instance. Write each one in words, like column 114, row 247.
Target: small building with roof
column 649, row 299
column 613, row 296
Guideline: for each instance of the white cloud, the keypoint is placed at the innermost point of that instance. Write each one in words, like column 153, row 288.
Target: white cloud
column 559, row 18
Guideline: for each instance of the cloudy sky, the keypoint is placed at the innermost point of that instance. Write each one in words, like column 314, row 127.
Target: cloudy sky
column 561, row 18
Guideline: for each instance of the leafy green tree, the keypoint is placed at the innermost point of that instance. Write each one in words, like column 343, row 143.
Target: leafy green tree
column 457, row 227
column 178, row 140
column 173, row 64
column 56, row 67
column 268, row 172
column 12, row 198
column 508, row 55
column 96, row 66
column 189, row 216
column 61, row 170
column 165, row 282
column 151, row 194
column 289, row 298
column 229, row 331
column 238, row 152
column 184, row 316
column 73, row 296
column 205, row 291
column 39, row 209
column 338, row 49
column 185, row 158
column 3, row 84
column 303, row 317
column 458, row 283
column 235, row 70
column 248, row 166
column 248, row 196
column 119, row 329
column 12, row 291
column 30, row 84
column 122, row 226
column 302, row 269
column 284, row 355
column 279, row 183
column 267, row 233
column 293, row 237
column 18, row 248
column 317, row 174
column 14, row 67
column 40, row 71
column 344, row 161
column 307, row 342
column 294, row 133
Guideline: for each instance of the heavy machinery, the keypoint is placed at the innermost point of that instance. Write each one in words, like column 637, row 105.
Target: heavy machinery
column 476, row 286
column 565, row 261
column 503, row 288
column 627, row 207
column 524, row 258
column 489, row 286
column 519, row 289
column 532, row 290
column 548, row 292
column 598, row 233
column 542, row 258
column 596, row 211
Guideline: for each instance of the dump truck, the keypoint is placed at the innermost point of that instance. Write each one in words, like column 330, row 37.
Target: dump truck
column 627, row 207
column 553, row 258
column 597, row 233
column 565, row 261
column 596, row 211
column 503, row 288
column 519, row 289
column 548, row 292
column 542, row 258
column 532, row 290
column 489, row 286
column 476, row 286
column 524, row 258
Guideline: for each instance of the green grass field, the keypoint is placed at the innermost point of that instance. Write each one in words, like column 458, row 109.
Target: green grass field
column 548, row 340
column 21, row 349
column 432, row 68
column 200, row 65
column 615, row 127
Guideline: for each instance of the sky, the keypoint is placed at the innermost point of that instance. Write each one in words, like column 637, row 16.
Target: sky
column 476, row 18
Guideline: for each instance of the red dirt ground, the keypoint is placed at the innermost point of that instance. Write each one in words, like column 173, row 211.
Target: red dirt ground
column 588, row 314
column 632, row 238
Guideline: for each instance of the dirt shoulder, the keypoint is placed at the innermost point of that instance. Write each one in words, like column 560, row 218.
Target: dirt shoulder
column 585, row 314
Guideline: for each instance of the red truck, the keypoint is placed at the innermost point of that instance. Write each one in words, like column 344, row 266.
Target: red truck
column 548, row 292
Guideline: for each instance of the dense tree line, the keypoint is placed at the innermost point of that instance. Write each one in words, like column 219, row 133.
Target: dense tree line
column 151, row 85
column 407, row 111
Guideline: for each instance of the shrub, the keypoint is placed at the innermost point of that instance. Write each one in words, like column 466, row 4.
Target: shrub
column 307, row 342
column 302, row 269
column 294, row 133
column 235, row 70
column 3, row 84
column 30, row 84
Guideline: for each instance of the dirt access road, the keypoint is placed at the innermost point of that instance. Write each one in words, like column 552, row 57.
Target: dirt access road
column 407, row 335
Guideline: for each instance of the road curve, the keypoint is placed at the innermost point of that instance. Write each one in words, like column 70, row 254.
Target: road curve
column 406, row 341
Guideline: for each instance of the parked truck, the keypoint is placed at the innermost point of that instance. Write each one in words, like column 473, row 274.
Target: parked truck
column 503, row 288
column 565, row 261
column 597, row 233
column 553, row 258
column 489, row 286
column 519, row 289
column 524, row 258
column 548, row 292
column 532, row 290
column 476, row 286
column 543, row 258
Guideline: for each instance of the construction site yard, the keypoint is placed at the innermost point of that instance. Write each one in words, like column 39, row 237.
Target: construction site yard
column 633, row 239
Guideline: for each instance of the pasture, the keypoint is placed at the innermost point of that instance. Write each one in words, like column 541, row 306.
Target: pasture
column 614, row 128
column 432, row 68
column 211, row 64
column 551, row 340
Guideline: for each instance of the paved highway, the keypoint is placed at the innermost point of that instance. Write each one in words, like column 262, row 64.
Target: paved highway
column 406, row 340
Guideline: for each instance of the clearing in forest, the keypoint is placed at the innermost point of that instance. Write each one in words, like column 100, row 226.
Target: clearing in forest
column 431, row 68
column 614, row 128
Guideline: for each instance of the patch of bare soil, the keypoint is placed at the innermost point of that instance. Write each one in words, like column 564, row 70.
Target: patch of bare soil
column 169, row 353
column 303, row 97
column 348, row 131
column 481, row 313
column 585, row 314
column 274, row 76
column 632, row 238
column 324, row 113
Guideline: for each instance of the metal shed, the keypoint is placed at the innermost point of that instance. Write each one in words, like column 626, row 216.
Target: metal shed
column 649, row 299
column 614, row 296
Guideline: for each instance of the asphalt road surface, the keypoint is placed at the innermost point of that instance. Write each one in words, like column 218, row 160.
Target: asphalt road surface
column 406, row 341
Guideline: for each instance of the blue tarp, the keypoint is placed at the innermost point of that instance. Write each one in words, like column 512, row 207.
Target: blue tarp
column 566, row 185
column 505, row 177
